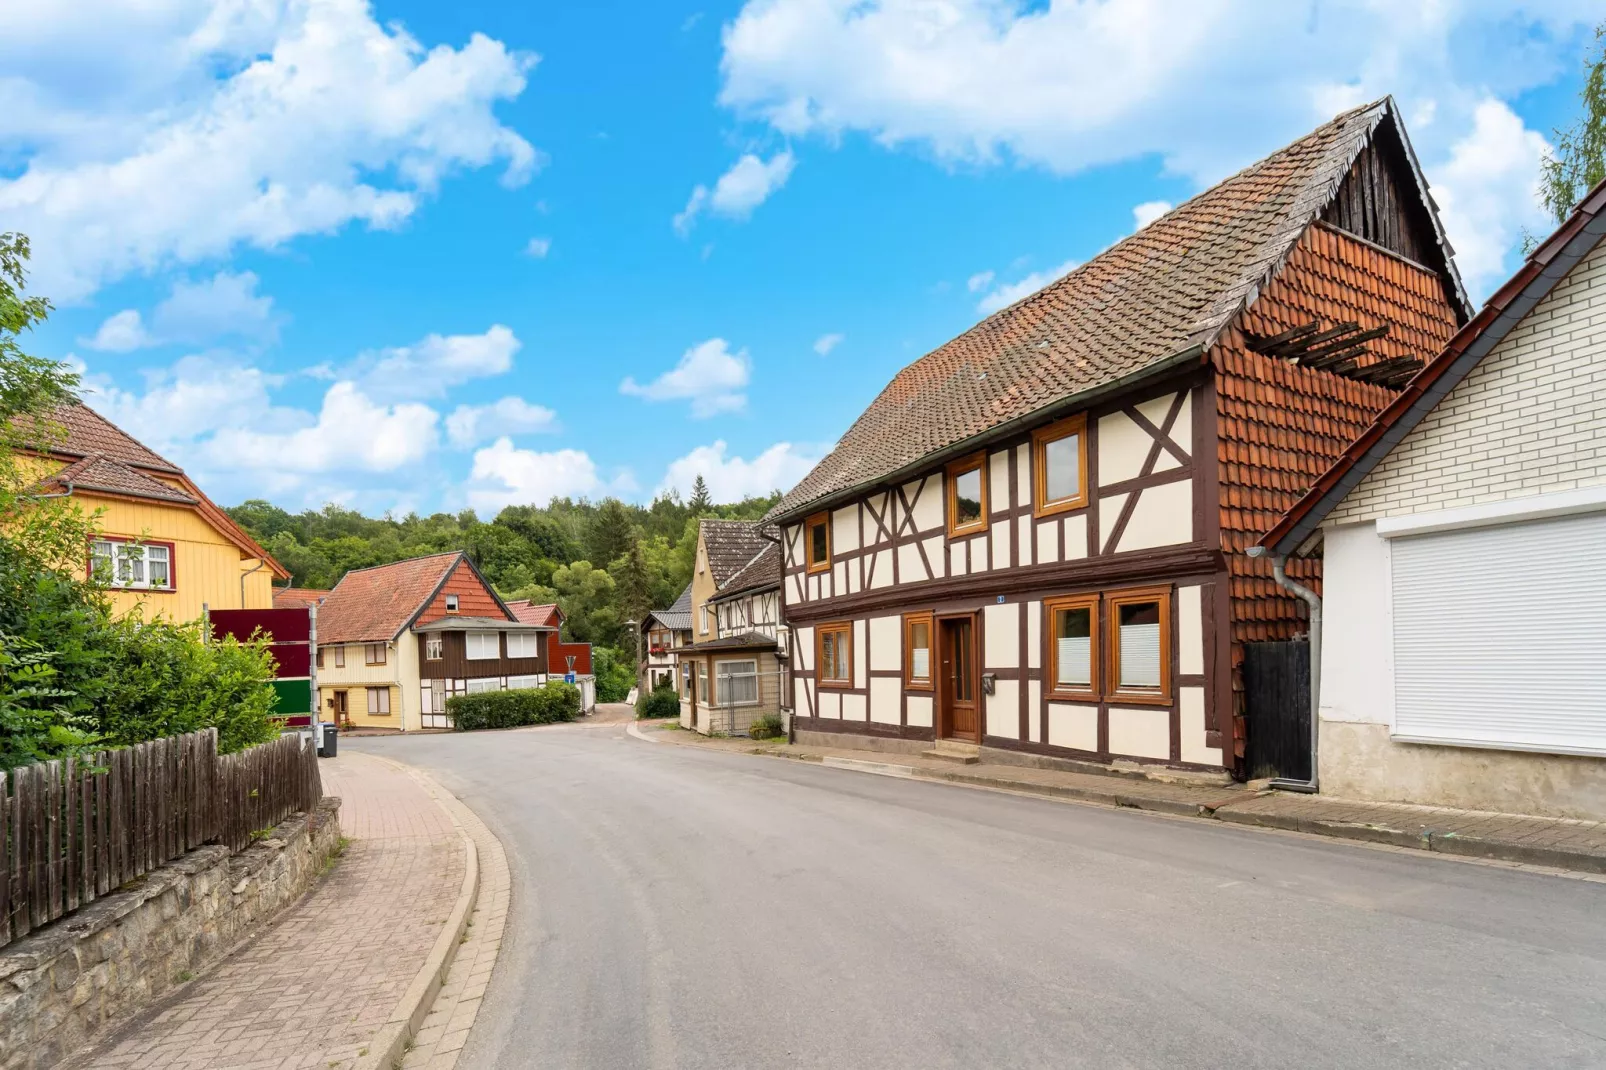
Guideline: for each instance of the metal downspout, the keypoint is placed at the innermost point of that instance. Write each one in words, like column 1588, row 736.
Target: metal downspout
column 1314, row 601
column 260, row 565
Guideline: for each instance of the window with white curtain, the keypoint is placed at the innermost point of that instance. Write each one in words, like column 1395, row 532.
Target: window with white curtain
column 486, row 683
column 738, row 683
column 522, row 644
column 484, row 646
column 434, row 647
column 142, row 566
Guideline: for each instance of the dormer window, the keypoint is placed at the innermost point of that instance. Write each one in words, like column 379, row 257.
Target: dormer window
column 451, row 603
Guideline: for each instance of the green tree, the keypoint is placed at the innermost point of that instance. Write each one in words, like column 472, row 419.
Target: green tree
column 633, row 584
column 700, row 503
column 586, row 596
column 611, row 532
column 1578, row 162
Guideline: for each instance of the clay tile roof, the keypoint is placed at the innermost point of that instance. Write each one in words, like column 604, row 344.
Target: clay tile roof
column 88, row 432
column 731, row 544
column 99, row 472
column 678, row 616
column 527, row 613
column 373, row 605
column 1172, row 286
column 762, row 572
column 297, row 597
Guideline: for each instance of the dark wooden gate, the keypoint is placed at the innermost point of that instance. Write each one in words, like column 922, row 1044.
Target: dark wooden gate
column 1277, row 709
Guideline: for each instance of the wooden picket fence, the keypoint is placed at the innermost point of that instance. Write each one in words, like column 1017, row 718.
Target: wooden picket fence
column 74, row 830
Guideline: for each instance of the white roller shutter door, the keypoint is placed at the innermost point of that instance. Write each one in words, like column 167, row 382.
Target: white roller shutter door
column 1500, row 636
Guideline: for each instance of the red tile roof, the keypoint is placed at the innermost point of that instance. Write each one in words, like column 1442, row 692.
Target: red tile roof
column 374, row 605
column 99, row 472
column 546, row 614
column 297, row 597
column 87, row 432
column 1136, row 308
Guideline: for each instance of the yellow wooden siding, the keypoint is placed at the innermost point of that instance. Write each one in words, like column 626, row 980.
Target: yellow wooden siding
column 357, row 704
column 207, row 567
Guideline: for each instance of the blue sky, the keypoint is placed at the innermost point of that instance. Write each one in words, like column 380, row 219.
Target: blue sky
column 410, row 255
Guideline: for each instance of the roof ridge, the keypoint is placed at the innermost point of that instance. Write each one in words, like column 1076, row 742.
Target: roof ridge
column 402, row 561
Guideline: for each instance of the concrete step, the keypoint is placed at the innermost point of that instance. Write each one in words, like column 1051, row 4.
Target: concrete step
column 948, row 750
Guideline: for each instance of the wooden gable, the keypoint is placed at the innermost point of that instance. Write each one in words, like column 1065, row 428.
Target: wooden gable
column 474, row 597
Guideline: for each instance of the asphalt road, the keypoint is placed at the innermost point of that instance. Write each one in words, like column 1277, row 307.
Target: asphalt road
column 675, row 907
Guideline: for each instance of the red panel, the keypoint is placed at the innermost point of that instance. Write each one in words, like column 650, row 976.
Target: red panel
column 474, row 599
column 284, row 625
column 558, row 655
column 295, row 659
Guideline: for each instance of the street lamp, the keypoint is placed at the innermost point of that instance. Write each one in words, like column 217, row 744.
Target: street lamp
column 632, row 625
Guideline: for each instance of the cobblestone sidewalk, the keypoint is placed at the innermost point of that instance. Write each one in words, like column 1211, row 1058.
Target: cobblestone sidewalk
column 313, row 989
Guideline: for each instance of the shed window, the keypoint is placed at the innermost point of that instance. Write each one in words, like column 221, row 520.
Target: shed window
column 1059, row 465
column 702, row 683
column 917, row 651
column 484, row 646
column 1073, row 651
column 738, row 683
column 522, row 645
column 967, row 495
column 817, row 540
column 379, row 701
column 834, row 648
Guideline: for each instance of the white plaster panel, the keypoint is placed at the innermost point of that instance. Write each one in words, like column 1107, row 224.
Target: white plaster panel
column 1162, row 517
column 1048, row 541
column 1123, row 447
column 803, row 652
column 928, row 510
column 1070, row 725
column 790, row 543
column 998, row 488
column 1001, row 641
column 855, row 708
column 885, row 696
column 1156, row 408
column 874, row 536
column 934, row 554
column 830, row 703
column 796, row 589
column 1190, row 631
column 800, row 700
column 1166, row 461
column 999, row 538
column 839, row 574
column 859, row 673
column 1357, row 660
column 886, row 642
column 845, row 529
column 1109, row 512
column 978, row 553
column 1191, row 702
column 1034, row 703
column 1023, row 524
column 910, row 568
column 1182, row 430
column 919, row 711
column 1141, row 732
column 1076, row 537
column 1023, row 473
column 956, row 559
column 881, row 576
column 1003, row 710
column 1034, row 635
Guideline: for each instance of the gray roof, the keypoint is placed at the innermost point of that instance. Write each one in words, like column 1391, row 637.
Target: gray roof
column 761, row 573
column 743, row 641
column 676, row 618
column 480, row 624
column 1151, row 302
column 731, row 544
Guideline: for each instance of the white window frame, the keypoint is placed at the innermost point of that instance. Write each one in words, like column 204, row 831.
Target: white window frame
column 474, row 646
column 484, row 683
column 723, row 674
column 139, row 558
column 451, row 603
column 434, row 646
column 522, row 638
column 520, row 683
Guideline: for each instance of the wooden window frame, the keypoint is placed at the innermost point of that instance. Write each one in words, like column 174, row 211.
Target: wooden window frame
column 1113, row 601
column 910, row 681
column 340, row 655
column 979, row 462
column 845, row 627
column 1071, row 425
column 368, row 652
column 318, row 658
column 1051, row 606
column 434, row 646
column 822, row 519
column 452, row 603
column 373, row 692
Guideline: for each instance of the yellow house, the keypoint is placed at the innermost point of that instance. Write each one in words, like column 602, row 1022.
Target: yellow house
column 162, row 542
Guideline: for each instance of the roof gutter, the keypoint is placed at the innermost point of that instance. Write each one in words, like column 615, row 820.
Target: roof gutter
column 1080, row 400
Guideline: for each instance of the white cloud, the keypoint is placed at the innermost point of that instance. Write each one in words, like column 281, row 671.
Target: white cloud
column 1147, row 212
column 505, row 475
column 1487, row 192
column 538, row 247
column 120, row 333
column 428, row 368
column 732, row 478
column 198, row 395
column 979, row 281
column 1068, row 86
column 743, row 188
column 827, row 342
column 1008, row 293
column 471, row 424
column 351, row 432
column 708, row 375
column 178, row 131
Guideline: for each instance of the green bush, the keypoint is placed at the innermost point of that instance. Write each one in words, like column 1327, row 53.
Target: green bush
column 614, row 676
column 661, row 701
column 511, row 709
column 766, row 726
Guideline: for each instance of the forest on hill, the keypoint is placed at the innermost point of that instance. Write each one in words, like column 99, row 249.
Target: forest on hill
column 602, row 562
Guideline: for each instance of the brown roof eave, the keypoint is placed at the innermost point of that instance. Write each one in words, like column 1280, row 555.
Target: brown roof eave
column 1080, row 400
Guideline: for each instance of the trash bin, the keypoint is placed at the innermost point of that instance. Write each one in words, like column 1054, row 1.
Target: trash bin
column 327, row 743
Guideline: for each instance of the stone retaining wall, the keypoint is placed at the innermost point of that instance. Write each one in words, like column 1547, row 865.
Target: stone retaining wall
column 65, row 983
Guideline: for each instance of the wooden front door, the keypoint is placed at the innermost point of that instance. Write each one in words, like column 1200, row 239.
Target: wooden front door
column 341, row 716
column 957, row 687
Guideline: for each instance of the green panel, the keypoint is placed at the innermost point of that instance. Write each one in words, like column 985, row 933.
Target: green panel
column 295, row 696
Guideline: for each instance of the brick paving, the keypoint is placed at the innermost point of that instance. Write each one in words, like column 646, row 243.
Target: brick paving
column 1552, row 842
column 313, row 989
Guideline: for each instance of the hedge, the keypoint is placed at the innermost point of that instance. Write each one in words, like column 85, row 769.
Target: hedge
column 661, row 701
column 510, row 709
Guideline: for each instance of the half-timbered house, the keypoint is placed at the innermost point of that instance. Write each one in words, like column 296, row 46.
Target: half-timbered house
column 1033, row 538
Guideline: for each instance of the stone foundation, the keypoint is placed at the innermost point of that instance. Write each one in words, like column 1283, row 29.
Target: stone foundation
column 63, row 984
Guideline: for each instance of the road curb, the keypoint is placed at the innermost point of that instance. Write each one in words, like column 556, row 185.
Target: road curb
column 387, row 1048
